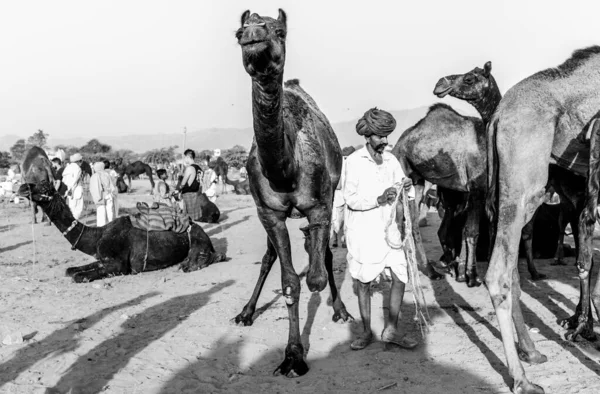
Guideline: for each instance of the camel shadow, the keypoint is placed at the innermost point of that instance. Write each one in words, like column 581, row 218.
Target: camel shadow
column 337, row 369
column 218, row 227
column 153, row 323
column 59, row 342
column 15, row 246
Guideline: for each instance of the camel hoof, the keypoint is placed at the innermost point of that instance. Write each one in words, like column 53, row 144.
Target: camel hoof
column 461, row 278
column 334, row 245
column 585, row 329
column 432, row 273
column 344, row 245
column 473, row 281
column 71, row 271
column 537, row 276
column 342, row 316
column 316, row 281
column 528, row 388
column 534, row 357
column 293, row 364
column 80, row 278
column 569, row 323
column 244, row 319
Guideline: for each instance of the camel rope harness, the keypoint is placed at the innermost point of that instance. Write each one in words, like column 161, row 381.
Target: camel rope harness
column 409, row 246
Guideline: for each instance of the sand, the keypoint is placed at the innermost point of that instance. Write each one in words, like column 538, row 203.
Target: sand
column 171, row 332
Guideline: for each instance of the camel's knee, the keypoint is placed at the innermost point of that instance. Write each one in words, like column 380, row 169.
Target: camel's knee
column 291, row 289
column 499, row 287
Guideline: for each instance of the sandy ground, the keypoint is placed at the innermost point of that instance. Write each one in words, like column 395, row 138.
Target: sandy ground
column 170, row 332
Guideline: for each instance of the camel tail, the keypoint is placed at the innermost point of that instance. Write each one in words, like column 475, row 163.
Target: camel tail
column 491, row 201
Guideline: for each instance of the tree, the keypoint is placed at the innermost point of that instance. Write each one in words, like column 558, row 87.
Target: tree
column 18, row 149
column 204, row 155
column 235, row 156
column 4, row 159
column 39, row 139
column 161, row 155
column 69, row 149
column 94, row 147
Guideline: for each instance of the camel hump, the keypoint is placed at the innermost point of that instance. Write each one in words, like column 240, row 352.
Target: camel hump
column 291, row 82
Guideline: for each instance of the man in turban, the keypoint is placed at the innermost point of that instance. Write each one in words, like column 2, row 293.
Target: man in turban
column 72, row 178
column 103, row 191
column 372, row 180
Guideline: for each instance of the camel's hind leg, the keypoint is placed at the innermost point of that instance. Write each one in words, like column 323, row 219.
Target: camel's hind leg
column 500, row 278
column 471, row 235
column 582, row 322
column 245, row 317
column 339, row 309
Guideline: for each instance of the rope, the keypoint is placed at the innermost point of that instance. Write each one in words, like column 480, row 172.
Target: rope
column 408, row 244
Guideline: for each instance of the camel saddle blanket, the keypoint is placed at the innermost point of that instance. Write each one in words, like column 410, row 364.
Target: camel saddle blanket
column 159, row 217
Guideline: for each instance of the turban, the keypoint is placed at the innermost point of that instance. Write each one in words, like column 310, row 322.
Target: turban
column 76, row 157
column 98, row 166
column 376, row 121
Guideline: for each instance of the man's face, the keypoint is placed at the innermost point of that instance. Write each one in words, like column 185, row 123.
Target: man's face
column 377, row 143
column 188, row 160
column 78, row 162
column 55, row 165
column 204, row 165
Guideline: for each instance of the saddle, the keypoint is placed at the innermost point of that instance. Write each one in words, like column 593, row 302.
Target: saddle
column 159, row 217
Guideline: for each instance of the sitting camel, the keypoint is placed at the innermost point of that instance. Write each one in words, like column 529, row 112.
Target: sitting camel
column 293, row 167
column 120, row 248
column 240, row 186
column 210, row 211
column 135, row 169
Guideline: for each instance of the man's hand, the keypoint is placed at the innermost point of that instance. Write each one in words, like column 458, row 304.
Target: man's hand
column 388, row 196
column 407, row 183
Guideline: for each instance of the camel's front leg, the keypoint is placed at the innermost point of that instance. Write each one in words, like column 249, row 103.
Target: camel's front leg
column 527, row 239
column 293, row 364
column 471, row 235
column 129, row 180
column 245, row 317
column 94, row 271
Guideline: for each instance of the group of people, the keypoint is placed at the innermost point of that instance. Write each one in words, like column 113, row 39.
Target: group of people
column 101, row 186
column 197, row 179
column 372, row 181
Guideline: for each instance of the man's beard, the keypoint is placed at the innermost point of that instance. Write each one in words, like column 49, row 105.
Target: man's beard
column 380, row 148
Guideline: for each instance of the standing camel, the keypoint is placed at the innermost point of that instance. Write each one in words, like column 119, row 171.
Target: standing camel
column 135, row 169
column 546, row 119
column 220, row 167
column 293, row 167
column 448, row 149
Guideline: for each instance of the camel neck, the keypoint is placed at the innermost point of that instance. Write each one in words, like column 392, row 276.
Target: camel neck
column 84, row 238
column 267, row 108
column 488, row 104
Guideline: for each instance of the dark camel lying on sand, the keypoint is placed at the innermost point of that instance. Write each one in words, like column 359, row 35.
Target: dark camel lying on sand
column 120, row 248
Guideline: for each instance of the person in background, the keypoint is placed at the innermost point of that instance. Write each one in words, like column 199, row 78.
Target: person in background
column 243, row 173
column 57, row 171
column 72, row 178
column 162, row 192
column 103, row 191
column 370, row 183
column 189, row 187
column 209, row 181
column 113, row 177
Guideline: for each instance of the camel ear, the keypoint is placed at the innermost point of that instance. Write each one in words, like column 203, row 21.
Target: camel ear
column 487, row 68
column 245, row 17
column 282, row 17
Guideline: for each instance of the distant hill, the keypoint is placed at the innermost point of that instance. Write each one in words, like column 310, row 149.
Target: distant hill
column 222, row 138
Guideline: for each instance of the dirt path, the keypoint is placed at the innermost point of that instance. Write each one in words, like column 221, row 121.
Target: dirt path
column 170, row 332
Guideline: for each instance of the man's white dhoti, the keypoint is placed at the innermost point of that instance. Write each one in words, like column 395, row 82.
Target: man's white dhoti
column 368, row 250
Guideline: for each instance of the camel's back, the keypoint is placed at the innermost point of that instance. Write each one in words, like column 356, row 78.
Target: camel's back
column 444, row 148
column 313, row 133
column 561, row 102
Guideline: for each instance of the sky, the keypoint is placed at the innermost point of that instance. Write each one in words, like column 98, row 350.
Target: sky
column 151, row 67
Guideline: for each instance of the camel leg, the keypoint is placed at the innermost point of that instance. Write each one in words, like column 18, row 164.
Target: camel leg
column 499, row 280
column 419, row 202
column 293, row 364
column 425, row 265
column 97, row 270
column 74, row 270
column 339, row 309
column 245, row 317
column 34, row 211
column 129, row 180
column 527, row 238
column 562, row 225
column 471, row 235
column 526, row 350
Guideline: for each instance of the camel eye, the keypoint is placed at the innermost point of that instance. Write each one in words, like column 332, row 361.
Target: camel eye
column 280, row 33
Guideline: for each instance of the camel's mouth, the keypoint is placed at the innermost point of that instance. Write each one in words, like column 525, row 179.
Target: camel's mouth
column 442, row 92
column 254, row 45
column 24, row 190
column 443, row 87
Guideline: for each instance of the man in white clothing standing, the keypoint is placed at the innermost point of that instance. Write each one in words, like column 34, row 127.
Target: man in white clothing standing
column 371, row 174
column 72, row 179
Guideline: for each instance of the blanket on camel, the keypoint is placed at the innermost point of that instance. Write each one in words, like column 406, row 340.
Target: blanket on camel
column 159, row 217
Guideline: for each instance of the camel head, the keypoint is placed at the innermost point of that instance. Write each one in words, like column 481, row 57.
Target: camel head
column 472, row 86
column 263, row 44
column 37, row 192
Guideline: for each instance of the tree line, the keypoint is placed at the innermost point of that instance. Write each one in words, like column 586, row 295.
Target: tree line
column 95, row 150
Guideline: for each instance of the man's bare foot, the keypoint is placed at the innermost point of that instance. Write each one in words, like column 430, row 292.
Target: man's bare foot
column 391, row 335
column 362, row 341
